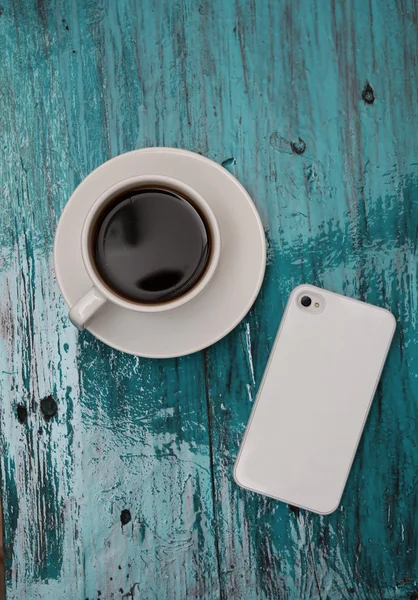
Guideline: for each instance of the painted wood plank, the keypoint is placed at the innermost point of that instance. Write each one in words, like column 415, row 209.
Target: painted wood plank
column 274, row 91
column 343, row 215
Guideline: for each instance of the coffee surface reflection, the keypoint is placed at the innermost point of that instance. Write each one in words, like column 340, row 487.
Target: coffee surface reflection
column 150, row 245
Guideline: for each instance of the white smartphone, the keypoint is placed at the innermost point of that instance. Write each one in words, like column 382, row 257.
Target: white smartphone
column 314, row 399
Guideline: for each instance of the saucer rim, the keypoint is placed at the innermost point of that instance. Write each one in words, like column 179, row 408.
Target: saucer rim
column 262, row 239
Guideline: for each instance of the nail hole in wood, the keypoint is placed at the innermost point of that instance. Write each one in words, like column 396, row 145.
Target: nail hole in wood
column 49, row 408
column 125, row 516
column 22, row 413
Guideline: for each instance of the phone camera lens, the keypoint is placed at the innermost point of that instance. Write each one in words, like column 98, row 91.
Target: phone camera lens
column 306, row 301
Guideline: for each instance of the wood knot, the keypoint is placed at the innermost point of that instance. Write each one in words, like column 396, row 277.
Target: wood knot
column 228, row 162
column 298, row 147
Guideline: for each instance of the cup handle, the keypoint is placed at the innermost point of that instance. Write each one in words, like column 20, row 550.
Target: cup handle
column 86, row 307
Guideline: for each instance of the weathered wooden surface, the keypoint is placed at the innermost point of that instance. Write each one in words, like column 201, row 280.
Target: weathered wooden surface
column 84, row 80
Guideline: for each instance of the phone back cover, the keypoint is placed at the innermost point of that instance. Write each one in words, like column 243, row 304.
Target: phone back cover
column 314, row 400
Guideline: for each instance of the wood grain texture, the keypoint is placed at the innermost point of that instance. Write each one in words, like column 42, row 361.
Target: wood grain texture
column 277, row 92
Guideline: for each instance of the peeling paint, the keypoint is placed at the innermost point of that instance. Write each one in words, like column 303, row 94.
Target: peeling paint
column 238, row 82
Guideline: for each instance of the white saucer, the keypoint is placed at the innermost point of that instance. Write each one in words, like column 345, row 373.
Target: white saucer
column 228, row 297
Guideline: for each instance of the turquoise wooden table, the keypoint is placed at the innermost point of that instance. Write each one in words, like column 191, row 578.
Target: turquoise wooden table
column 116, row 472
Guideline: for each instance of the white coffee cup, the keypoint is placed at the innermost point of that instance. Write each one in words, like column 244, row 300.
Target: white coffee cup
column 100, row 293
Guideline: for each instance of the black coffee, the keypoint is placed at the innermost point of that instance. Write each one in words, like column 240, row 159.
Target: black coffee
column 150, row 245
